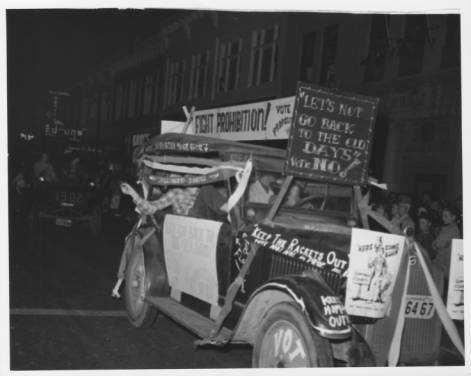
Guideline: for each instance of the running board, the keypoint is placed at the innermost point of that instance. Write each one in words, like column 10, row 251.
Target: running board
column 196, row 323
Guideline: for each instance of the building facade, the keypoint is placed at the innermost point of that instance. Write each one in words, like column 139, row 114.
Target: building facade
column 210, row 59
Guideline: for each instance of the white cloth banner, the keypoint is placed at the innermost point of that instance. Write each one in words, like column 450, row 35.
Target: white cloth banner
column 190, row 256
column 268, row 120
column 455, row 299
column 374, row 264
column 187, row 170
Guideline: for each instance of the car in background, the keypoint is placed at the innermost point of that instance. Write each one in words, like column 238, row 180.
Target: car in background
column 68, row 202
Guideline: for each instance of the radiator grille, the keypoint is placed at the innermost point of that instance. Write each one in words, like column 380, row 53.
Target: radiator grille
column 281, row 265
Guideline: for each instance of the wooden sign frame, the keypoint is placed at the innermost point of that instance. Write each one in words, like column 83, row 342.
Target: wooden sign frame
column 331, row 135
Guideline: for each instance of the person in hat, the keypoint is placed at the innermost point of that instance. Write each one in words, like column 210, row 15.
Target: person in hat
column 293, row 197
column 261, row 191
column 404, row 220
column 425, row 234
column 442, row 244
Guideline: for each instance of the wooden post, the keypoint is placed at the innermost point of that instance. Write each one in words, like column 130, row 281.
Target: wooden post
column 362, row 206
column 279, row 198
column 239, row 280
column 189, row 118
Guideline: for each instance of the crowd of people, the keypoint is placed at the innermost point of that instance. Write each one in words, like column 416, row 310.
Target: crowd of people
column 434, row 222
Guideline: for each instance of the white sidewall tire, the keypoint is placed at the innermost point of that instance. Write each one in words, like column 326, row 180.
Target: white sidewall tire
column 285, row 339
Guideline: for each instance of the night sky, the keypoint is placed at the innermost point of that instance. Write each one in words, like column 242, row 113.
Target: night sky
column 53, row 49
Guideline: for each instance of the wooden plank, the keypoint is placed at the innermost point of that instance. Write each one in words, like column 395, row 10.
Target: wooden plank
column 362, row 205
column 279, row 198
column 214, row 311
column 193, row 321
column 176, row 294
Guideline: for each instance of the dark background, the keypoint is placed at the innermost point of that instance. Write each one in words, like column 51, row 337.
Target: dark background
column 50, row 49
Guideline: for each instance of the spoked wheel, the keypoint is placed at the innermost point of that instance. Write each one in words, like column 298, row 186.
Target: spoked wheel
column 285, row 340
column 140, row 313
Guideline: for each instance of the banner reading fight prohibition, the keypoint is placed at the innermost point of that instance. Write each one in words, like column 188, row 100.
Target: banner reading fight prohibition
column 455, row 300
column 267, row 120
column 374, row 264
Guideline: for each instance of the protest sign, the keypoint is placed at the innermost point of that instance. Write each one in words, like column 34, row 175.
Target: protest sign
column 331, row 135
column 267, row 120
column 455, row 299
column 374, row 264
column 190, row 256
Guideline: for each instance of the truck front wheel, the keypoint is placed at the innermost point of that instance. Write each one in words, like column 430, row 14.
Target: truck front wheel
column 285, row 339
column 140, row 313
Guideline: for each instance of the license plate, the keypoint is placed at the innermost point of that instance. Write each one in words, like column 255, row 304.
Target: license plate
column 115, row 200
column 63, row 222
column 419, row 307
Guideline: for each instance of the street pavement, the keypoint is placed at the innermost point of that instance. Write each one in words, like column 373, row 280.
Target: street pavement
column 62, row 315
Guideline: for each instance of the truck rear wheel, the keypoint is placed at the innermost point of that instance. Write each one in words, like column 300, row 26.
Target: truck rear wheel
column 285, row 339
column 140, row 313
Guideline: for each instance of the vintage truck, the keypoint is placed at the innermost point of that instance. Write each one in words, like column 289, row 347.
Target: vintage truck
column 277, row 249
column 275, row 281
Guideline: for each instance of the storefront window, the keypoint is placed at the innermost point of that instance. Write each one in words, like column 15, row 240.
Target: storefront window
column 132, row 98
column 379, row 44
column 156, row 96
column 307, row 57
column 264, row 56
column 176, row 82
column 148, row 89
column 412, row 49
column 118, row 98
column 329, row 54
column 199, row 75
column 229, row 66
column 104, row 106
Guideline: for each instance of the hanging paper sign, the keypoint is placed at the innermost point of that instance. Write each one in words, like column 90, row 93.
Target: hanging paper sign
column 455, row 300
column 374, row 264
column 190, row 256
column 331, row 135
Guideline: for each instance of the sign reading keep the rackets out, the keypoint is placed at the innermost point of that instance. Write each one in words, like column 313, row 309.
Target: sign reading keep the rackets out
column 331, row 135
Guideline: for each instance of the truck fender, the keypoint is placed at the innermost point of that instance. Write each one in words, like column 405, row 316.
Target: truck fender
column 154, row 261
column 322, row 308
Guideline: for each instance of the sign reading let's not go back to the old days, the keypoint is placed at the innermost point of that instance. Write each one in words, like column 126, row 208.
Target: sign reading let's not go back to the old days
column 331, row 135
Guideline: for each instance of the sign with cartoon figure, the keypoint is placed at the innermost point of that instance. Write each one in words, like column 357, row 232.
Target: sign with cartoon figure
column 455, row 300
column 331, row 134
column 374, row 264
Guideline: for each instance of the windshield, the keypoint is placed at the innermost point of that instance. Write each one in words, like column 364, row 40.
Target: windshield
column 302, row 195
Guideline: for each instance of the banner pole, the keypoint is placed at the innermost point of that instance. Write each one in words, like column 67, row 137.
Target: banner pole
column 189, row 118
column 279, row 199
column 440, row 306
column 395, row 348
